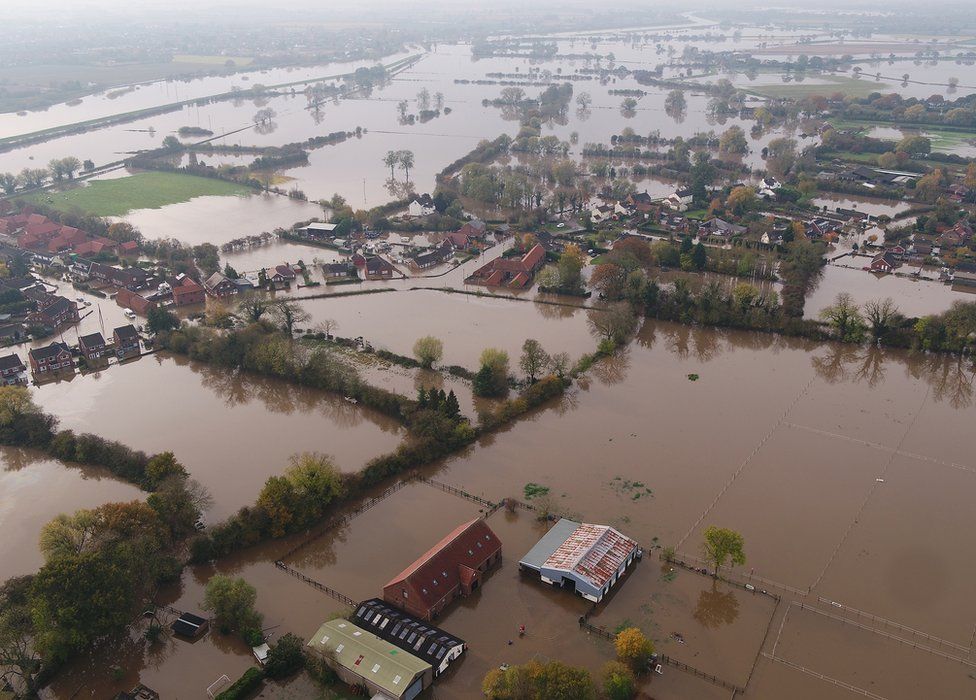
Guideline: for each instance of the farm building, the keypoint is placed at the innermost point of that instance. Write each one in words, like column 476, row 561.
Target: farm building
column 415, row 636
column 452, row 568
column 359, row 657
column 587, row 559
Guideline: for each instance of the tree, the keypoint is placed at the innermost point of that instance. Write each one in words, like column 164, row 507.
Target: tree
column 70, row 166
column 741, row 199
column 609, row 279
column 570, row 265
column 534, row 360
column 56, row 167
column 122, row 232
column 699, row 256
column 232, row 602
column 614, row 323
column 618, row 681
column 286, row 657
column 733, row 140
column 845, row 317
column 633, row 648
column 428, row 350
column 882, row 316
column 721, row 545
column 160, row 320
column 8, row 182
column 162, row 466
column 406, row 162
column 553, row 680
column 288, row 313
column 492, row 377
column 702, row 175
column 253, row 306
column 915, row 145
column 32, row 177
column 171, row 143
column 391, row 159
column 18, row 654
column 423, row 100
column 781, row 156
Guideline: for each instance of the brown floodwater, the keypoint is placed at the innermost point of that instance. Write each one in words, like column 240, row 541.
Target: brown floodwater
column 781, row 439
column 231, row 430
column 33, row 490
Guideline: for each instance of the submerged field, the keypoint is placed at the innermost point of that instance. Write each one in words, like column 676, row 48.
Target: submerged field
column 142, row 191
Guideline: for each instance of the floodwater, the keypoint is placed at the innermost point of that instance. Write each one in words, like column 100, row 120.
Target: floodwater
column 843, row 467
column 231, row 430
column 913, row 297
column 36, row 489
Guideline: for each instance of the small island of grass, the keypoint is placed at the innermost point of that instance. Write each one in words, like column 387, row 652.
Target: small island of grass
column 151, row 190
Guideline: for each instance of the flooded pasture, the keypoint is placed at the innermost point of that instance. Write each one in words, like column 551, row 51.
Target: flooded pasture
column 231, row 430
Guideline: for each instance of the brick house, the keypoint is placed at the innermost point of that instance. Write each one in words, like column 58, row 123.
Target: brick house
column 126, row 341
column 452, row 568
column 12, row 370
column 92, row 346
column 50, row 359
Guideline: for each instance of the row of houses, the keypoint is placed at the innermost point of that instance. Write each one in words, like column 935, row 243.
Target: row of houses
column 37, row 233
column 514, row 273
column 57, row 357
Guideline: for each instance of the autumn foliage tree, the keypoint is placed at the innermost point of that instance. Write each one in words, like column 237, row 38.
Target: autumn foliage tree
column 633, row 649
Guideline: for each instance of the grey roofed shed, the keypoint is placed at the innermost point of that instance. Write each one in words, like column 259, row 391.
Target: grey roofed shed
column 549, row 543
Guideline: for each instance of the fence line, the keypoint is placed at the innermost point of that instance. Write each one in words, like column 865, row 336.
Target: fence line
column 892, row 623
column 344, row 519
column 740, row 584
column 715, row 680
column 887, row 635
column 769, row 625
column 331, row 592
column 453, row 490
column 827, row 679
column 745, row 462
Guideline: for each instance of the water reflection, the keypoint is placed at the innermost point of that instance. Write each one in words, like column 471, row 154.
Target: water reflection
column 716, row 608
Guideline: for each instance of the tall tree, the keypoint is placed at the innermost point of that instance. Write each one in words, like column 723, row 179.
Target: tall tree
column 534, row 360
column 721, row 545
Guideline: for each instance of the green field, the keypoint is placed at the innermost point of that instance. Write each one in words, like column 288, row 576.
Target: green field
column 212, row 60
column 142, row 191
column 847, row 86
column 945, row 139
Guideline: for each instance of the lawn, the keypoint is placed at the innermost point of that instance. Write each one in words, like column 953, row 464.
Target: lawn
column 142, row 191
column 944, row 138
column 847, row 86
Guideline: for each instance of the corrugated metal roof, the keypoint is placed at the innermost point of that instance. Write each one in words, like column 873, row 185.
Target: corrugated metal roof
column 544, row 548
column 594, row 553
column 366, row 655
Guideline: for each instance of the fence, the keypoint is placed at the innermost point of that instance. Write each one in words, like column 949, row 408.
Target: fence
column 331, row 592
column 826, row 679
column 685, row 565
column 454, row 491
column 715, row 680
column 344, row 519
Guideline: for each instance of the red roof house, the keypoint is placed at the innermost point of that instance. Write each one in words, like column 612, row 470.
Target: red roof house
column 452, row 568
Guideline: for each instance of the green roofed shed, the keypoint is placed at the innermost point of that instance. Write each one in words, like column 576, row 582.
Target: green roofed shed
column 361, row 658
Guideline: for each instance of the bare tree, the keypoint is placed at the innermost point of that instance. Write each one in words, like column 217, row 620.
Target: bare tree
column 288, row 313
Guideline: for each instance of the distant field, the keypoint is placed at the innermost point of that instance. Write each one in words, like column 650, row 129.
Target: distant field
column 142, row 191
column 212, row 60
column 944, row 139
column 847, row 86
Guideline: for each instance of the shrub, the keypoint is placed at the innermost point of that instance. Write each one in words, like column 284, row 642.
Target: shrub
column 243, row 686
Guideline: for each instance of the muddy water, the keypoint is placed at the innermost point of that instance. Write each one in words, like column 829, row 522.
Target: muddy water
column 33, row 490
column 913, row 297
column 232, row 431
column 466, row 324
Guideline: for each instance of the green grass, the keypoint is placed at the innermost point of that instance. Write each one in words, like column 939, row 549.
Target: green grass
column 944, row 138
column 847, row 86
column 143, row 191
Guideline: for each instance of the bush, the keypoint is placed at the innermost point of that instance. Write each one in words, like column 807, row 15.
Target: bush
column 243, row 686
column 285, row 658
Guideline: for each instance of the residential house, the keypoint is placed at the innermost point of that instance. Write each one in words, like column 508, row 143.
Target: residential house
column 583, row 558
column 220, row 286
column 49, row 359
column 280, row 276
column 437, row 256
column 125, row 340
column 92, row 346
column 374, row 267
column 452, row 568
column 131, row 300
column 132, row 278
column 338, row 271
column 680, row 199
column 768, row 186
column 884, row 262
column 188, row 292
column 508, row 272
column 53, row 311
column 361, row 659
column 12, row 370
column 721, row 228
column 421, row 206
